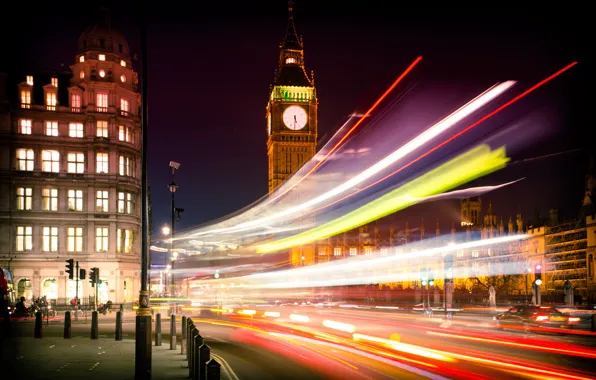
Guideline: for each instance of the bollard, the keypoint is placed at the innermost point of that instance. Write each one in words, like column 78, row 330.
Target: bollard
column 213, row 370
column 158, row 329
column 189, row 330
column 122, row 308
column 593, row 323
column 183, row 336
column 6, row 326
column 67, row 326
column 38, row 324
column 118, row 325
column 173, row 332
column 191, row 350
column 204, row 356
column 94, row 325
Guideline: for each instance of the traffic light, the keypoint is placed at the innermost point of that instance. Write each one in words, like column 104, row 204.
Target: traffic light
column 94, row 276
column 448, row 265
column 423, row 276
column 538, row 274
column 82, row 273
column 70, row 268
column 431, row 277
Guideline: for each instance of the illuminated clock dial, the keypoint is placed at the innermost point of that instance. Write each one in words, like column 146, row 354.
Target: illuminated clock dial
column 295, row 117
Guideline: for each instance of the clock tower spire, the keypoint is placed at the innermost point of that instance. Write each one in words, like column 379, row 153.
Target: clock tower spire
column 291, row 111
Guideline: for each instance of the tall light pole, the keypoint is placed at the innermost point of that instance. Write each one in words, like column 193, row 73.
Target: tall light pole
column 143, row 318
column 173, row 187
column 165, row 230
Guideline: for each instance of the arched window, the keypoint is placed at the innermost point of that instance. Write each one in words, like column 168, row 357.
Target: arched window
column 49, row 289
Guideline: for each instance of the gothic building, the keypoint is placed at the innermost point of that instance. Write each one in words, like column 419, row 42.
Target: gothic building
column 291, row 111
column 70, row 173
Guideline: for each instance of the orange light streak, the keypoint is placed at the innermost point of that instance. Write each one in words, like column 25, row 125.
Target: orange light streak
column 375, row 105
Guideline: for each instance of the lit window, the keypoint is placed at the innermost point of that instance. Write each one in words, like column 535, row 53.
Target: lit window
column 75, row 102
column 24, row 238
column 102, row 57
column 383, row 251
column 460, row 253
column 50, row 239
column 102, row 201
column 353, row 251
column 75, row 200
column 54, row 82
column 125, row 239
column 291, row 60
column 102, row 162
column 122, row 78
column 474, row 253
column 127, row 166
column 124, row 109
column 126, row 203
column 76, row 162
column 102, row 128
column 337, row 251
column 102, row 102
column 489, row 252
column 322, row 251
column 24, row 198
column 25, row 159
column 368, row 251
column 50, row 161
column 51, row 101
column 75, row 130
column 51, row 128
column 25, row 126
column 125, row 134
column 49, row 199
column 25, row 98
column 122, row 63
column 30, row 80
column 102, row 73
column 74, row 239
column 101, row 239
column 82, row 74
column 82, row 59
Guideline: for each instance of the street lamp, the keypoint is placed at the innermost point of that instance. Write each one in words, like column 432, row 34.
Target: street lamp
column 165, row 230
column 173, row 187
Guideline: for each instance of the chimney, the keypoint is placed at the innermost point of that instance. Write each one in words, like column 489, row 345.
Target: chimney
column 554, row 217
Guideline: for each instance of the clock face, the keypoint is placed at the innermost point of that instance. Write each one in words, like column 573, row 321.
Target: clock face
column 295, row 117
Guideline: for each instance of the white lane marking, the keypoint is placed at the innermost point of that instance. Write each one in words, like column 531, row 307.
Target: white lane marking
column 227, row 368
column 52, row 346
column 216, row 339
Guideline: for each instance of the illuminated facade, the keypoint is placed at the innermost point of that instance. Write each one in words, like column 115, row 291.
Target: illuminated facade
column 70, row 173
column 291, row 112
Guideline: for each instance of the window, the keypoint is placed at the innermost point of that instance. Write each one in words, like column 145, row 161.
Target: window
column 474, row 253
column 25, row 159
column 51, row 128
column 101, row 239
column 75, row 130
column 126, row 203
column 383, row 251
column 75, row 102
column 124, row 106
column 51, row 101
column 102, row 44
column 74, row 239
column 368, row 251
column 82, row 74
column 125, row 133
column 122, row 63
column 24, row 238
column 49, row 199
column 75, row 200
column 102, row 73
column 102, row 128
column 102, row 162
column 24, row 198
column 127, row 166
column 123, row 78
column 82, row 59
column 25, row 98
column 460, row 253
column 54, row 82
column 353, row 251
column 76, row 162
column 30, row 80
column 322, row 251
column 102, row 101
column 290, row 60
column 50, row 161
column 337, row 251
column 125, row 239
column 50, row 239
column 102, row 201
column 102, row 57
column 25, row 126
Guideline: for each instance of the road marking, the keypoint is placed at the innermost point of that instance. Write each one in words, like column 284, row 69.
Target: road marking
column 227, row 368
column 93, row 366
column 216, row 339
column 52, row 346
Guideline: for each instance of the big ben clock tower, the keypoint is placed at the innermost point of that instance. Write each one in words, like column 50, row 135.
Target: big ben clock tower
column 291, row 111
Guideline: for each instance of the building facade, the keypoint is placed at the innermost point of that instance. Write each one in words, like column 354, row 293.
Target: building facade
column 70, row 174
column 291, row 112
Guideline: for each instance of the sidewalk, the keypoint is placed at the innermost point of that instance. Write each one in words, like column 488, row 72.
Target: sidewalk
column 83, row 358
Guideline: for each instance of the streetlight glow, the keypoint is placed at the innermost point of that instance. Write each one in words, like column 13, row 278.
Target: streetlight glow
column 165, row 230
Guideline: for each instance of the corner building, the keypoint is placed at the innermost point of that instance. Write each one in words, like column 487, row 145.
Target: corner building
column 70, row 174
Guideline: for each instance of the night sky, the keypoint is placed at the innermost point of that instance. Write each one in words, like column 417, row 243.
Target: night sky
column 210, row 67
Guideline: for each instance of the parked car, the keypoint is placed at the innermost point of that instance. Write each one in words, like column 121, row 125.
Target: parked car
column 529, row 317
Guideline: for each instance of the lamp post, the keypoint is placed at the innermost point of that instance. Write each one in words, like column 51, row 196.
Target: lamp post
column 165, row 230
column 527, row 274
column 173, row 187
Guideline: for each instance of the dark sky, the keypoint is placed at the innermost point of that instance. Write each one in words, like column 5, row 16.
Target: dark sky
column 211, row 64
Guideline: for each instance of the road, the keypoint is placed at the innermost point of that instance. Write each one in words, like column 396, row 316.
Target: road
column 335, row 343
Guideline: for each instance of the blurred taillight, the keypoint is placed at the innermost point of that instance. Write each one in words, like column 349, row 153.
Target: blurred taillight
column 542, row 318
column 574, row 319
